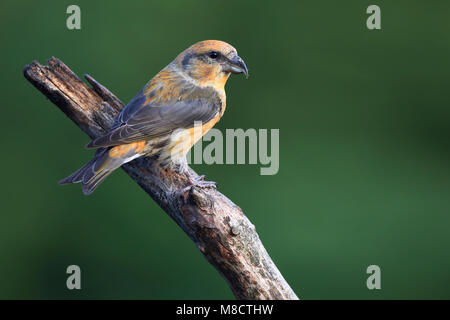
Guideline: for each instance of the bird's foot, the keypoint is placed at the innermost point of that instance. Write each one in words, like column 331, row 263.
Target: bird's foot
column 200, row 182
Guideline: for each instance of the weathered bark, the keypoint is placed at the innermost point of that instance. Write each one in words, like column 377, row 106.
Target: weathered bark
column 217, row 226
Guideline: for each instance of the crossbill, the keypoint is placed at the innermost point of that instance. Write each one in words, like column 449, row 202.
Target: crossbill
column 164, row 118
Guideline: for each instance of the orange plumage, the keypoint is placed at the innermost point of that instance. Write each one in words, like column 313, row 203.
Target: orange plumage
column 165, row 119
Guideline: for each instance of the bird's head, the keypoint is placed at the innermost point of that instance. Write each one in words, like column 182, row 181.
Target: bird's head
column 210, row 62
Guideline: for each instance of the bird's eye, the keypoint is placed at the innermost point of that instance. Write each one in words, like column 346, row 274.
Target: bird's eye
column 213, row 54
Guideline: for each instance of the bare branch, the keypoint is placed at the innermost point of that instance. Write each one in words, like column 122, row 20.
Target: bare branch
column 217, row 226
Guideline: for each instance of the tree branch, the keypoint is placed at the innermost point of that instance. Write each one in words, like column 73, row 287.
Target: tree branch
column 217, row 226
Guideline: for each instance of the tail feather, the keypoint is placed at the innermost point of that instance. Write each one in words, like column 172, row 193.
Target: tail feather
column 95, row 181
column 94, row 172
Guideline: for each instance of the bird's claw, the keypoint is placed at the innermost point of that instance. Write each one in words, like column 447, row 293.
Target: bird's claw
column 200, row 182
column 206, row 184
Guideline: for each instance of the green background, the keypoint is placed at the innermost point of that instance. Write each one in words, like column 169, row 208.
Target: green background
column 364, row 148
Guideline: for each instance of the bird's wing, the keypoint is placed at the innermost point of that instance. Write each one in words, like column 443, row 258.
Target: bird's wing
column 143, row 121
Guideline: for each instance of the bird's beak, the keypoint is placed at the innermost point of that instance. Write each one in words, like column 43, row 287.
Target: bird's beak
column 237, row 65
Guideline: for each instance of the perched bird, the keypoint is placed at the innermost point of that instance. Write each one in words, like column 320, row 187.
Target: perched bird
column 168, row 116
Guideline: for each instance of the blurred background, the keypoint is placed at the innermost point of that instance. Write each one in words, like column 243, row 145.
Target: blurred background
column 364, row 149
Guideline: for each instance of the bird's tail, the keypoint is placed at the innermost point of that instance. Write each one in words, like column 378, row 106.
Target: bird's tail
column 94, row 172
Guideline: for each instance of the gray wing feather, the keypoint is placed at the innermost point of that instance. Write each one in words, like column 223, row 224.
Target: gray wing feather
column 144, row 122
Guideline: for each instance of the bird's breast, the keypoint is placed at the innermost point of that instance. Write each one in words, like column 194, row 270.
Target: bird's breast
column 182, row 140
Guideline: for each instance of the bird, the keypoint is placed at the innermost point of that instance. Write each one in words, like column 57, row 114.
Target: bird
column 167, row 116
